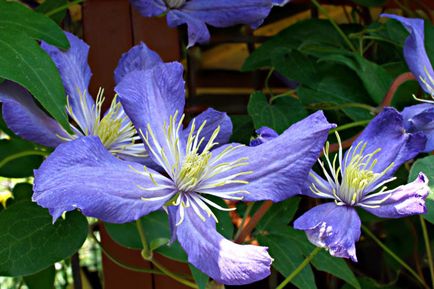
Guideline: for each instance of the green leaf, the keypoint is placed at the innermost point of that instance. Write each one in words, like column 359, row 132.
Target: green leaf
column 295, row 65
column 49, row 5
column 324, row 83
column 370, row 3
column 279, row 115
column 429, row 40
column 375, row 78
column 391, row 31
column 200, row 278
column 30, row 242
column 425, row 165
column 336, row 267
column 156, row 227
column 24, row 62
column 18, row 158
column 242, row 128
column 157, row 243
column 279, row 216
column 41, row 280
column 295, row 36
column 15, row 17
column 369, row 283
column 287, row 257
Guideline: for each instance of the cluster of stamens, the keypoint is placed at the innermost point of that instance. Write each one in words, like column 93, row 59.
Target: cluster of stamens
column 428, row 80
column 351, row 186
column 193, row 168
column 175, row 3
column 115, row 130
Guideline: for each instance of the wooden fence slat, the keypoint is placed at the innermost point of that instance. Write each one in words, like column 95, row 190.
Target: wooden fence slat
column 155, row 33
column 116, row 277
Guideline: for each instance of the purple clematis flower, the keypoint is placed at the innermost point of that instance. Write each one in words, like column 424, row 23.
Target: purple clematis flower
column 357, row 179
column 264, row 134
column 114, row 128
column 198, row 13
column 414, row 52
column 83, row 175
column 420, row 118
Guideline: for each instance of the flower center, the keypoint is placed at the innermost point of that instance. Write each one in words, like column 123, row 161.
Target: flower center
column 350, row 186
column 115, row 130
column 194, row 170
column 175, row 3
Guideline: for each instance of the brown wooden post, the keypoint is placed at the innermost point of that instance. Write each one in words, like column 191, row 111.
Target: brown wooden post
column 112, row 27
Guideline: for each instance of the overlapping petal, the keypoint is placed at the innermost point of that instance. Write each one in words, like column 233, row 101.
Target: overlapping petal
column 336, row 228
column 214, row 119
column 405, row 200
column 414, row 50
column 26, row 119
column 149, row 8
column 265, row 134
column 218, row 13
column 224, row 261
column 75, row 73
column 151, row 97
column 279, row 168
column 386, row 132
column 420, row 117
column 140, row 57
column 83, row 175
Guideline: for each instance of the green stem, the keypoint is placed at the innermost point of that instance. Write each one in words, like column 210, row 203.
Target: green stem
column 338, row 29
column 243, row 222
column 394, row 256
column 267, row 80
column 350, row 125
column 288, row 93
column 63, row 7
column 147, row 255
column 10, row 158
column 122, row 265
column 173, row 276
column 428, row 249
column 299, row 268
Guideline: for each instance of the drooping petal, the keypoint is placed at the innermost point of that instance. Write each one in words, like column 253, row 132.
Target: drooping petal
column 197, row 30
column 149, row 8
column 386, row 132
column 224, row 261
column 140, row 57
column 151, row 97
column 414, row 51
column 83, row 175
column 420, row 117
column 405, row 200
column 278, row 169
column 336, row 228
column 218, row 13
column 75, row 73
column 265, row 134
column 213, row 120
column 26, row 119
